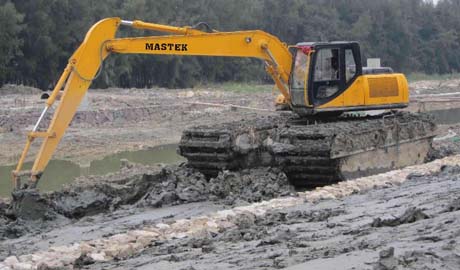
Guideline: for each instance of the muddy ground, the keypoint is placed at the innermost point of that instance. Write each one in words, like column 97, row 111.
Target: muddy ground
column 394, row 221
column 414, row 225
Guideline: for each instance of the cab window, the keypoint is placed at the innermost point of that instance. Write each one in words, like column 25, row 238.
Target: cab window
column 350, row 65
column 300, row 70
column 326, row 73
column 327, row 65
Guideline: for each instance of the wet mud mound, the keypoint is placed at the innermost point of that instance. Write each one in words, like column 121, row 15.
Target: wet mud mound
column 252, row 185
column 137, row 186
column 178, row 185
column 96, row 194
column 185, row 185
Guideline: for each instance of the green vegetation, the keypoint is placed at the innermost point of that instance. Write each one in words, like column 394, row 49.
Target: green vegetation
column 412, row 36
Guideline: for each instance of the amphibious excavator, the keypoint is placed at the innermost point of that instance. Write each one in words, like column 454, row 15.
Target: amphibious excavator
column 317, row 82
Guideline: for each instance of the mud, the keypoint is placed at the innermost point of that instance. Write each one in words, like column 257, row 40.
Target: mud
column 251, row 185
column 139, row 186
column 409, row 216
column 338, row 234
column 314, row 230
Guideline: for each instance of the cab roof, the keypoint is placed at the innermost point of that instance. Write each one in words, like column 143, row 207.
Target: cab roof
column 314, row 44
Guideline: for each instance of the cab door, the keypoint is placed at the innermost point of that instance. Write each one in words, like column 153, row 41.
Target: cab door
column 328, row 78
column 335, row 68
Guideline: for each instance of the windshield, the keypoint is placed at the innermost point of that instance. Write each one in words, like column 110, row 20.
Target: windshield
column 300, row 70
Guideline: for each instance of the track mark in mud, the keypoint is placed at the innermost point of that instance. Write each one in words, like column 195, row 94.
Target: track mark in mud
column 453, row 206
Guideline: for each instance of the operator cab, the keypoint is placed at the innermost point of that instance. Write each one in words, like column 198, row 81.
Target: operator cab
column 321, row 72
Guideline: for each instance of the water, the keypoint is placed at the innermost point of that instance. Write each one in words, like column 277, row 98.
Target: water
column 59, row 172
column 446, row 117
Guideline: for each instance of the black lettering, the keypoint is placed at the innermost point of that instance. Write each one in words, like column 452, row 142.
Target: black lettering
column 166, row 46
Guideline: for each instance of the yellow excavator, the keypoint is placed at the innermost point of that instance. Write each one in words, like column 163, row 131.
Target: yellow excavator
column 318, row 81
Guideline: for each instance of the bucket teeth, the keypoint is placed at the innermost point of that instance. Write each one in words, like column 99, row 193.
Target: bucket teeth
column 310, row 155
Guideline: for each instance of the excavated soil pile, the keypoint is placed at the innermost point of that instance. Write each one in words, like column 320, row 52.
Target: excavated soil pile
column 253, row 185
column 185, row 185
column 136, row 185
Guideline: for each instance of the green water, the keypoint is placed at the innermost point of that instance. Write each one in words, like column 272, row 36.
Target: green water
column 59, row 172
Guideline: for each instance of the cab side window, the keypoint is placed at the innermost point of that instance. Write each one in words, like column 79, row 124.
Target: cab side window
column 350, row 65
column 326, row 73
column 327, row 65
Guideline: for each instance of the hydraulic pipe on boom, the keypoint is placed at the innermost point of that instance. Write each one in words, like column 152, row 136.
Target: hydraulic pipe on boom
column 86, row 63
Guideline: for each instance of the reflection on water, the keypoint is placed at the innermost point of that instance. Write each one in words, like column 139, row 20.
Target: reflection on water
column 59, row 172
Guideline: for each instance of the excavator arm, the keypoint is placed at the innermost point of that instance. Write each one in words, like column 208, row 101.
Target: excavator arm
column 86, row 64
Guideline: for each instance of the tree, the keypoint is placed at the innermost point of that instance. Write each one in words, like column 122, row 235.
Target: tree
column 10, row 42
column 408, row 35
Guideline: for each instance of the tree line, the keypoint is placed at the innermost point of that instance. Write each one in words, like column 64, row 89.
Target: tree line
column 37, row 37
